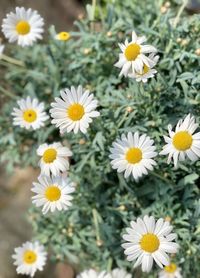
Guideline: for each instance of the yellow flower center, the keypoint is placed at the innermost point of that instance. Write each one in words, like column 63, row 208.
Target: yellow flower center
column 170, row 268
column 75, row 112
column 149, row 243
column 145, row 70
column 63, row 36
column 30, row 115
column 182, row 140
column 134, row 155
column 29, row 257
column 23, row 27
column 52, row 193
column 49, row 155
column 132, row 51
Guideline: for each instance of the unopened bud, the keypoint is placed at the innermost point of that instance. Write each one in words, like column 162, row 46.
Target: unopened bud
column 163, row 10
column 99, row 242
column 129, row 109
column 109, row 34
column 168, row 218
column 82, row 141
column 87, row 51
column 197, row 52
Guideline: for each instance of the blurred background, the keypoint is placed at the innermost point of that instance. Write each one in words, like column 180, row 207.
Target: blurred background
column 15, row 190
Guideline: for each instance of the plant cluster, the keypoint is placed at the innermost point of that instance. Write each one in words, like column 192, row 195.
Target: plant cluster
column 89, row 234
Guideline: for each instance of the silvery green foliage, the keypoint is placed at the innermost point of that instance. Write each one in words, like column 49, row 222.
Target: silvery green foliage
column 89, row 234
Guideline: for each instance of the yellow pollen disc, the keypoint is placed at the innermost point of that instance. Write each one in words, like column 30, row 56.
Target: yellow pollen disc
column 63, row 36
column 134, row 155
column 182, row 140
column 29, row 257
column 52, row 193
column 75, row 112
column 30, row 115
column 132, row 51
column 149, row 243
column 49, row 155
column 23, row 27
column 144, row 71
column 170, row 268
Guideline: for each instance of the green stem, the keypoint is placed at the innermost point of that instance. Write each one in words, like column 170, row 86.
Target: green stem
column 177, row 18
column 96, row 224
column 109, row 265
column 162, row 178
column 12, row 60
column 7, row 93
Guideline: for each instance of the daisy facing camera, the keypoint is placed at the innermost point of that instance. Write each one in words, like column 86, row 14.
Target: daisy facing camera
column 133, row 154
column 53, row 193
column 149, row 240
column 30, row 114
column 74, row 110
column 24, row 26
column 29, row 258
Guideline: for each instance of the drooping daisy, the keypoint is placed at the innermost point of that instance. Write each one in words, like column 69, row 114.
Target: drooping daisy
column 133, row 155
column 23, row 26
column 182, row 142
column 91, row 273
column 170, row 271
column 74, row 110
column 133, row 58
column 1, row 49
column 147, row 72
column 63, row 36
column 29, row 258
column 120, row 273
column 30, row 114
column 53, row 193
column 149, row 240
column 54, row 158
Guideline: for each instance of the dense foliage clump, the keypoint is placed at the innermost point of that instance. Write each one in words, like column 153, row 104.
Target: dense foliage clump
column 89, row 234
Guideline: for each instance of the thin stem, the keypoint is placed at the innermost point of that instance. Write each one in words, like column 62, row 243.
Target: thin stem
column 7, row 93
column 109, row 265
column 12, row 60
column 162, row 178
column 95, row 217
column 93, row 10
column 177, row 18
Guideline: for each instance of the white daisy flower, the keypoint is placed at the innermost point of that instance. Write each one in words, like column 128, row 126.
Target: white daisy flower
column 133, row 154
column 30, row 114
column 74, row 110
column 23, row 26
column 120, row 273
column 133, row 58
column 29, row 258
column 170, row 271
column 147, row 72
column 149, row 240
column 63, row 36
column 54, row 159
column 182, row 142
column 1, row 49
column 53, row 193
column 91, row 273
